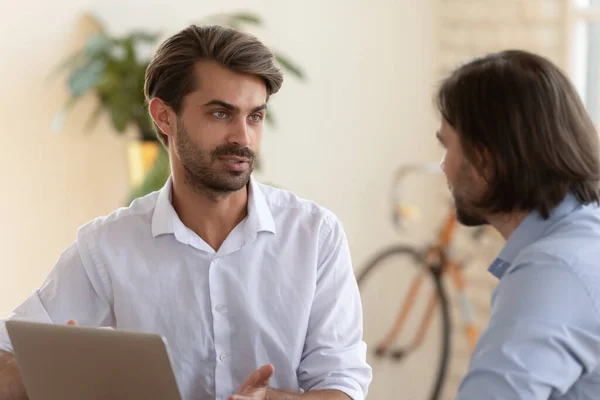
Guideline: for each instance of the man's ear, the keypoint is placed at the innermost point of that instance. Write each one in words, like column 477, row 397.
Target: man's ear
column 485, row 165
column 163, row 116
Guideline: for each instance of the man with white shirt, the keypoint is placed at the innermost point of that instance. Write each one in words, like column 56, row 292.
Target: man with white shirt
column 236, row 275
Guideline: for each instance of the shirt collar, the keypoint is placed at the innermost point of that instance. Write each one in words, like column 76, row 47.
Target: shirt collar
column 531, row 229
column 260, row 217
column 166, row 221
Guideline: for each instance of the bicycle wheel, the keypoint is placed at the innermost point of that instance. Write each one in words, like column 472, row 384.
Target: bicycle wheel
column 406, row 325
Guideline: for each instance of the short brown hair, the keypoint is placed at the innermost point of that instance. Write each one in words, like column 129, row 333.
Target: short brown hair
column 519, row 108
column 170, row 74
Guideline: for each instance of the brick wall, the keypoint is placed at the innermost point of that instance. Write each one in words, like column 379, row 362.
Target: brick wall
column 470, row 28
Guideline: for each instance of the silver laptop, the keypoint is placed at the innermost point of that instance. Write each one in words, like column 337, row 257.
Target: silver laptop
column 59, row 362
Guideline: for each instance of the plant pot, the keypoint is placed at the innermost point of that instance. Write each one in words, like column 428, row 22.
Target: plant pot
column 149, row 168
column 140, row 157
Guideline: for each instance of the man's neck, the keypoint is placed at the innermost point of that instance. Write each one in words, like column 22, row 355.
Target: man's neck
column 506, row 224
column 212, row 216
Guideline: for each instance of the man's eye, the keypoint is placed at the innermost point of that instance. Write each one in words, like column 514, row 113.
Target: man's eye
column 256, row 117
column 220, row 114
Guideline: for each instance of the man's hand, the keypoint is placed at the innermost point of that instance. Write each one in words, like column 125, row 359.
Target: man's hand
column 11, row 384
column 256, row 385
column 72, row 322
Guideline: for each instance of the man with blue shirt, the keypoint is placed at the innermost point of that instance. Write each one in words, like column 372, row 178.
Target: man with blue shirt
column 522, row 155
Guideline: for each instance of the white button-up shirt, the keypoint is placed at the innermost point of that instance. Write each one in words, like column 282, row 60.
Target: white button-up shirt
column 279, row 290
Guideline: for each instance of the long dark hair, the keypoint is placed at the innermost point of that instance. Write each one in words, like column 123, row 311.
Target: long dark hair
column 521, row 111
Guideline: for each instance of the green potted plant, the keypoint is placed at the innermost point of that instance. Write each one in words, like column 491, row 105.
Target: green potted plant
column 113, row 70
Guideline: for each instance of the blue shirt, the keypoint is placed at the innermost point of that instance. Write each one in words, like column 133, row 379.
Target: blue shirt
column 543, row 340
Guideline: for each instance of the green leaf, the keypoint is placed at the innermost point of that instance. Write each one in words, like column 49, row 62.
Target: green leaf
column 97, row 43
column 85, row 77
column 290, row 66
column 246, row 17
column 270, row 119
column 144, row 37
column 119, row 106
column 120, row 119
column 59, row 117
column 70, row 61
column 128, row 50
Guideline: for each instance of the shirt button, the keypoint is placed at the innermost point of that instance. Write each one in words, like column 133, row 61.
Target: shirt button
column 223, row 357
column 221, row 308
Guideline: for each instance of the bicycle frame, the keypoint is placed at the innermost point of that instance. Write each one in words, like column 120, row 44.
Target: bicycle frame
column 437, row 257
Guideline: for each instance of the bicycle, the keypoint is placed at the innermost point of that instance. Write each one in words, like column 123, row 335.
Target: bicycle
column 433, row 262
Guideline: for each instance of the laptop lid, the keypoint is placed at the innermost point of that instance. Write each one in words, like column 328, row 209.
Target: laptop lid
column 59, row 362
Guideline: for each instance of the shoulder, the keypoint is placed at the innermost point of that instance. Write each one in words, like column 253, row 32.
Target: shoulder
column 573, row 239
column 135, row 218
column 568, row 247
column 547, row 286
column 570, row 250
column 285, row 204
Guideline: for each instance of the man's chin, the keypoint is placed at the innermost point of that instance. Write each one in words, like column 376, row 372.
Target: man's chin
column 219, row 183
column 468, row 219
column 232, row 182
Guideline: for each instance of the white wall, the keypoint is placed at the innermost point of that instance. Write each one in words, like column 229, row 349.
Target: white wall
column 52, row 183
column 470, row 28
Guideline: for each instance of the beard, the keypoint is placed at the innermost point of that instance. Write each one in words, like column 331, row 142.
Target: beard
column 202, row 170
column 466, row 215
column 465, row 199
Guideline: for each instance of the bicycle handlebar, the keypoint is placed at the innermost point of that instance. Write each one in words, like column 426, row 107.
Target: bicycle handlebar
column 402, row 172
column 399, row 175
column 406, row 170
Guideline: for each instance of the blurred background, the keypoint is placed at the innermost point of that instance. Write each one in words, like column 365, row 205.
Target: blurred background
column 355, row 106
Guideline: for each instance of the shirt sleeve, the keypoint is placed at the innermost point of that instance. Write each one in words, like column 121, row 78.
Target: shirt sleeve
column 543, row 336
column 334, row 355
column 70, row 291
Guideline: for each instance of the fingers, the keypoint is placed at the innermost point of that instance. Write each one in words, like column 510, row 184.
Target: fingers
column 258, row 379
column 72, row 322
column 265, row 373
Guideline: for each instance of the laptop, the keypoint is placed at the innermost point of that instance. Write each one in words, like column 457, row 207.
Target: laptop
column 59, row 362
